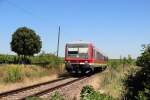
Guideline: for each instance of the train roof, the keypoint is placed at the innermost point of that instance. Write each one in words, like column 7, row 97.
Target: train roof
column 79, row 42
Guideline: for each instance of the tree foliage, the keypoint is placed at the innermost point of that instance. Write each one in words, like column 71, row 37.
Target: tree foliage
column 25, row 42
column 138, row 85
column 144, row 59
column 88, row 93
column 43, row 59
column 47, row 60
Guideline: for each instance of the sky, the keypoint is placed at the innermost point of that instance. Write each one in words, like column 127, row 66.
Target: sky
column 116, row 27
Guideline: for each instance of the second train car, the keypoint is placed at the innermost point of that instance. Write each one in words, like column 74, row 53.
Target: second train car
column 83, row 58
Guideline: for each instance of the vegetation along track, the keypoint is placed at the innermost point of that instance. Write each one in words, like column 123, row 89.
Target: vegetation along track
column 38, row 89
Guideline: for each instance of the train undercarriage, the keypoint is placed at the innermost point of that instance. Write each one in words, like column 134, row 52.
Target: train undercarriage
column 83, row 69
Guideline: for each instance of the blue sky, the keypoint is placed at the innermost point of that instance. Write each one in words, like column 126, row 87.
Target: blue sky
column 117, row 27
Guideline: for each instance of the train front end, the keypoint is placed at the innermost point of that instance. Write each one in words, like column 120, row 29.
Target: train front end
column 77, row 58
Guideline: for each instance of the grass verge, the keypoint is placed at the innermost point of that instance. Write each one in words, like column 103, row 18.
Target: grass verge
column 17, row 76
column 112, row 81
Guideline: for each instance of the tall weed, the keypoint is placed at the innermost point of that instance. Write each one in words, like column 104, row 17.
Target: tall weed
column 13, row 74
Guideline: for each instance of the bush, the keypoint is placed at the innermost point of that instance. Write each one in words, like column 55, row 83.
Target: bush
column 88, row 93
column 115, row 63
column 7, row 59
column 144, row 59
column 142, row 96
column 138, row 85
column 56, row 96
column 47, row 60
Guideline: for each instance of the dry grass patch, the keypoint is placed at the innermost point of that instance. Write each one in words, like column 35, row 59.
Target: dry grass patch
column 26, row 82
column 112, row 80
column 16, row 76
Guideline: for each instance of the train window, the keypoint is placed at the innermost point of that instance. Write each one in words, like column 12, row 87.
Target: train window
column 72, row 52
column 98, row 56
column 78, row 52
column 72, row 49
column 83, row 50
column 83, row 53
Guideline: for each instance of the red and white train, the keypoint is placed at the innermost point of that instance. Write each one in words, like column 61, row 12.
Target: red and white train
column 82, row 57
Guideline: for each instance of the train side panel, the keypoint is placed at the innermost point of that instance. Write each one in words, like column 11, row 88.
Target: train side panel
column 99, row 61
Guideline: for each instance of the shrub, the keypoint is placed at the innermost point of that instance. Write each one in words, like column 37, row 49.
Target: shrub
column 88, row 93
column 115, row 63
column 144, row 59
column 142, row 96
column 6, row 59
column 47, row 60
column 130, row 61
column 57, row 96
column 138, row 85
column 44, row 59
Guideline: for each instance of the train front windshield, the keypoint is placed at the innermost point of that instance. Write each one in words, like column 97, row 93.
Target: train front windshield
column 78, row 51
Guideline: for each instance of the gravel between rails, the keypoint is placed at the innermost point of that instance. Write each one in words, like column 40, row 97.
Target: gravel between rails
column 71, row 91
column 28, row 92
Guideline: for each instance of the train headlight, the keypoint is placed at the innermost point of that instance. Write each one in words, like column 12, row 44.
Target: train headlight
column 86, row 62
column 67, row 62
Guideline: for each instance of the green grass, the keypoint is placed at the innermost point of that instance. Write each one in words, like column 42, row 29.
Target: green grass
column 56, row 96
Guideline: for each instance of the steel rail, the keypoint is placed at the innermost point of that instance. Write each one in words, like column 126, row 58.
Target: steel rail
column 7, row 93
column 53, row 88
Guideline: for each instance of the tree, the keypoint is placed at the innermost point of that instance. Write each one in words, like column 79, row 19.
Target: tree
column 144, row 59
column 138, row 84
column 25, row 42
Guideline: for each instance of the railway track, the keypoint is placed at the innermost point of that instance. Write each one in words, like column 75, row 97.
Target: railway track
column 38, row 89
